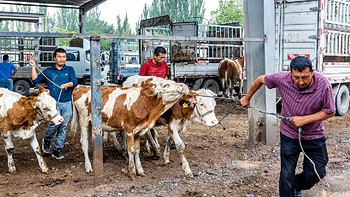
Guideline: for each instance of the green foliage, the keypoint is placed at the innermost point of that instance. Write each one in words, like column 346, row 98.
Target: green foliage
column 178, row 10
column 228, row 11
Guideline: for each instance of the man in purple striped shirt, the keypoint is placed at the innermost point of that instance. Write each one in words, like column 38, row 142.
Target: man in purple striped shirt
column 308, row 100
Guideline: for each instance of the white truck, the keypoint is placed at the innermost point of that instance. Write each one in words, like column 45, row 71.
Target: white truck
column 191, row 62
column 319, row 30
column 21, row 50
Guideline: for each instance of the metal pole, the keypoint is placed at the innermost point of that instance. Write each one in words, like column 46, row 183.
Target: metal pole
column 114, row 60
column 260, row 59
column 82, row 21
column 96, row 121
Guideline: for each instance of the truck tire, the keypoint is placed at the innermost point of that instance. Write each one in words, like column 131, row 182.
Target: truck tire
column 22, row 87
column 212, row 85
column 342, row 100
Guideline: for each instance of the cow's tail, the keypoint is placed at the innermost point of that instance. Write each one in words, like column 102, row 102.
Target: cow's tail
column 74, row 125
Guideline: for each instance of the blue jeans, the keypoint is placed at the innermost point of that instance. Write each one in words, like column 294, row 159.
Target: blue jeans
column 65, row 109
column 7, row 84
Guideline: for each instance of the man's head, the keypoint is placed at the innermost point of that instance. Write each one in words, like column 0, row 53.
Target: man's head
column 60, row 57
column 159, row 55
column 302, row 72
column 5, row 57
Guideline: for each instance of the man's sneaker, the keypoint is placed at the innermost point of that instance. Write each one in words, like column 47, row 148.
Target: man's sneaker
column 297, row 193
column 56, row 153
column 45, row 146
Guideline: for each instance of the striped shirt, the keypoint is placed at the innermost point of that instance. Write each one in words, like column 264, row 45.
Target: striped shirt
column 296, row 102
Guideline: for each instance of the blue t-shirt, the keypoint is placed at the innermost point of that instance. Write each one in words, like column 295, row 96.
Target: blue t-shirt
column 59, row 77
column 6, row 70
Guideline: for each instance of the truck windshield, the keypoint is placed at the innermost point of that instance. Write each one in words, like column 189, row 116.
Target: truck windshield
column 73, row 56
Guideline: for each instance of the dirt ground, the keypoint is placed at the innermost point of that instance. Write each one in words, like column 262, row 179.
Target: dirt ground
column 223, row 164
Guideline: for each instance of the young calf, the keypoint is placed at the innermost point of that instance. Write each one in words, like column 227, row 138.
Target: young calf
column 196, row 106
column 20, row 115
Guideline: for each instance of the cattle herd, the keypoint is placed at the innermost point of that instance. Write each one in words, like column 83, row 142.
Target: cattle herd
column 133, row 110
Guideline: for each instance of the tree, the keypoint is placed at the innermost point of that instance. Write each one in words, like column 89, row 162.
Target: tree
column 68, row 19
column 229, row 11
column 178, row 10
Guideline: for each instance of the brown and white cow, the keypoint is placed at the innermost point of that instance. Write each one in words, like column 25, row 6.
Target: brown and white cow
column 134, row 110
column 230, row 73
column 180, row 116
column 197, row 106
column 20, row 115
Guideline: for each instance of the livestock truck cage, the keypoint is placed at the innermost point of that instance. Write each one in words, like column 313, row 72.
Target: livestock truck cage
column 319, row 30
column 192, row 62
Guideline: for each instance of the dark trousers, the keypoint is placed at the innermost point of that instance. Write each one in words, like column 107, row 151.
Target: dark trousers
column 290, row 150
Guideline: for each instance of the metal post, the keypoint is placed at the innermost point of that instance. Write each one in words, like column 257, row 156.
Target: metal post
column 114, row 60
column 260, row 59
column 96, row 122
column 82, row 21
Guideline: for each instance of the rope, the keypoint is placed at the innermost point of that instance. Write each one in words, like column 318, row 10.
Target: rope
column 313, row 164
column 299, row 137
column 59, row 96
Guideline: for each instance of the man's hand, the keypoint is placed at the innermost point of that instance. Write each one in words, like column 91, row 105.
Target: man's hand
column 64, row 86
column 298, row 121
column 245, row 101
column 32, row 63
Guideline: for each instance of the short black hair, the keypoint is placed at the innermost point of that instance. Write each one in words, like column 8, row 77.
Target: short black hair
column 300, row 63
column 5, row 57
column 59, row 50
column 159, row 50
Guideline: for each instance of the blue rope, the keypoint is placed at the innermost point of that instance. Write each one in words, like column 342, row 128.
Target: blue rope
column 270, row 113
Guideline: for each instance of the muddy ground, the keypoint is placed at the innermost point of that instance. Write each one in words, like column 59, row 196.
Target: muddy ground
column 223, row 163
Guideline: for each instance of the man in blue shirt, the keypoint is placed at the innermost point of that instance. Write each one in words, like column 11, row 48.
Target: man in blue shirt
column 7, row 71
column 61, row 80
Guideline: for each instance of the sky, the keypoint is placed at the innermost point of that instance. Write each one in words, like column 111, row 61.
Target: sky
column 111, row 8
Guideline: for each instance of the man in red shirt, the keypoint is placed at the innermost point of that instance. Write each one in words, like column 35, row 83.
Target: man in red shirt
column 157, row 66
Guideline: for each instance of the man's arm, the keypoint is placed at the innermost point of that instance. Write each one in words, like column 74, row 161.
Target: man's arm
column 34, row 73
column 245, row 101
column 13, row 74
column 143, row 70
column 300, row 121
column 73, row 81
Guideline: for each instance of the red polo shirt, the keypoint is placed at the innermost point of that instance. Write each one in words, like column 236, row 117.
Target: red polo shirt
column 151, row 69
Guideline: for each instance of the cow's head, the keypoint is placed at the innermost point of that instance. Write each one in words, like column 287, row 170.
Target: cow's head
column 46, row 107
column 168, row 90
column 204, row 110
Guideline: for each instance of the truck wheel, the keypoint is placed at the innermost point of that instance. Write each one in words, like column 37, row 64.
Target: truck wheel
column 21, row 87
column 212, row 85
column 342, row 100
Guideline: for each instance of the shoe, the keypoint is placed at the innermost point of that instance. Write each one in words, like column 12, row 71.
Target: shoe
column 297, row 193
column 45, row 146
column 57, row 154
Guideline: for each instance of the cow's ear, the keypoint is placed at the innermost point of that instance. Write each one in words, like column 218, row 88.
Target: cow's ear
column 41, row 89
column 32, row 101
column 185, row 104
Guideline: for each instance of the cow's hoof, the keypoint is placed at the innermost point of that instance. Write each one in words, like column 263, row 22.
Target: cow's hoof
column 167, row 162
column 88, row 170
column 132, row 177
column 12, row 169
column 141, row 174
column 189, row 175
column 45, row 170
